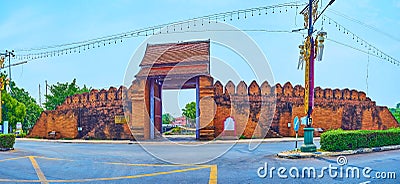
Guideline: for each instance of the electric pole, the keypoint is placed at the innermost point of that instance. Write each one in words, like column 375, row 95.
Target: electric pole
column 9, row 55
column 3, row 83
column 45, row 97
column 309, row 53
column 40, row 97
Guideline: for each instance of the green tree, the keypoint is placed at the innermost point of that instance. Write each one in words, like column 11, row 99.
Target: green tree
column 167, row 118
column 60, row 91
column 190, row 110
column 396, row 114
column 13, row 111
column 33, row 110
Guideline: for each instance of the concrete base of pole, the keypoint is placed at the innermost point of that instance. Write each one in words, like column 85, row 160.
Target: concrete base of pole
column 308, row 145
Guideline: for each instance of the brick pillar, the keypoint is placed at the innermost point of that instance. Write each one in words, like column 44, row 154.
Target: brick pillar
column 207, row 108
column 140, row 121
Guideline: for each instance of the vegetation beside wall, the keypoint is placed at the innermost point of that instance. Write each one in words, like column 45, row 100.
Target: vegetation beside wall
column 339, row 140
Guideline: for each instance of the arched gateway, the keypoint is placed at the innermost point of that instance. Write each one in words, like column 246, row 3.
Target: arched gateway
column 171, row 66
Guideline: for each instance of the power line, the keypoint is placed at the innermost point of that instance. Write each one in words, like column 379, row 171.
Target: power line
column 364, row 24
column 366, row 78
column 78, row 49
column 178, row 25
column 181, row 27
column 375, row 51
column 355, row 48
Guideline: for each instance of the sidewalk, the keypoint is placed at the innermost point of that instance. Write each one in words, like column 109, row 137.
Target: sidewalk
column 299, row 155
column 172, row 140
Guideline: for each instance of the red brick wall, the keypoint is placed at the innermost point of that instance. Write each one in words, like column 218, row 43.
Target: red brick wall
column 256, row 109
column 63, row 122
column 333, row 109
column 94, row 112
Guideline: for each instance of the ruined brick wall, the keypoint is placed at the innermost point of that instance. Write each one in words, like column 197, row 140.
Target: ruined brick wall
column 346, row 109
column 94, row 112
column 64, row 122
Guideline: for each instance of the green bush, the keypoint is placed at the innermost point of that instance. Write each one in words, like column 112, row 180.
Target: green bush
column 176, row 130
column 20, row 135
column 338, row 140
column 7, row 141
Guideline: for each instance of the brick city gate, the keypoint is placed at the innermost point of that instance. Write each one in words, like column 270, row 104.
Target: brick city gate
column 245, row 111
column 171, row 66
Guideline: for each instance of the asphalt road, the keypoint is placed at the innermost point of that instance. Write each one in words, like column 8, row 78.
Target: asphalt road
column 47, row 162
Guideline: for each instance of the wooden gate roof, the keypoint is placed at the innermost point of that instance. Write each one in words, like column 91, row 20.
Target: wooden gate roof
column 176, row 59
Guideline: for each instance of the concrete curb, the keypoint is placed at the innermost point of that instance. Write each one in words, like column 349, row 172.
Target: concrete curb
column 300, row 155
column 241, row 141
column 6, row 149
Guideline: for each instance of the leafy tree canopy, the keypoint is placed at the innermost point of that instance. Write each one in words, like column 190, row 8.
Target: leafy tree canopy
column 60, row 91
column 19, row 106
column 33, row 110
column 167, row 118
column 190, row 110
column 396, row 112
column 12, row 110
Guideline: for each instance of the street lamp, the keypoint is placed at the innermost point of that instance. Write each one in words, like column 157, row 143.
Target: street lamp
column 320, row 38
column 8, row 54
column 3, row 83
column 301, row 57
column 312, row 49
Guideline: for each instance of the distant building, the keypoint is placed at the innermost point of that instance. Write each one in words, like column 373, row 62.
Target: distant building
column 179, row 121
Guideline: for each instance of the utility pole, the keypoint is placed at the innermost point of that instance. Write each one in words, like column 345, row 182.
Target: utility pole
column 45, row 98
column 40, row 97
column 1, row 88
column 9, row 55
column 3, row 83
column 310, row 53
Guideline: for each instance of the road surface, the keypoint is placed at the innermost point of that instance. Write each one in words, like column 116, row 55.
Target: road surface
column 48, row 162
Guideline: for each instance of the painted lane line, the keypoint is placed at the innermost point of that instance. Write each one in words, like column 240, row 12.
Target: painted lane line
column 156, row 165
column 213, row 174
column 39, row 172
column 16, row 158
column 132, row 176
column 19, row 181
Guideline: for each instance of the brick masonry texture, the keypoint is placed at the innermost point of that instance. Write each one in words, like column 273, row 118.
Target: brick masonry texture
column 252, row 108
column 94, row 112
column 333, row 109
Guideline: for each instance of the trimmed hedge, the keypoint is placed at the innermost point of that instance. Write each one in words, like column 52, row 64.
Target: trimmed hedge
column 339, row 140
column 7, row 141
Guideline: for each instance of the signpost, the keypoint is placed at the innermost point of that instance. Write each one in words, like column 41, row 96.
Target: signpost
column 18, row 126
column 5, row 127
column 120, row 119
column 296, row 126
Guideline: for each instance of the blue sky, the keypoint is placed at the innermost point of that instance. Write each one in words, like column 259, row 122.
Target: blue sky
column 27, row 24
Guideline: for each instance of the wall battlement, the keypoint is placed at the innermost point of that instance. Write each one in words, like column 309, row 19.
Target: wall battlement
column 257, row 109
column 287, row 90
column 94, row 112
column 346, row 109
